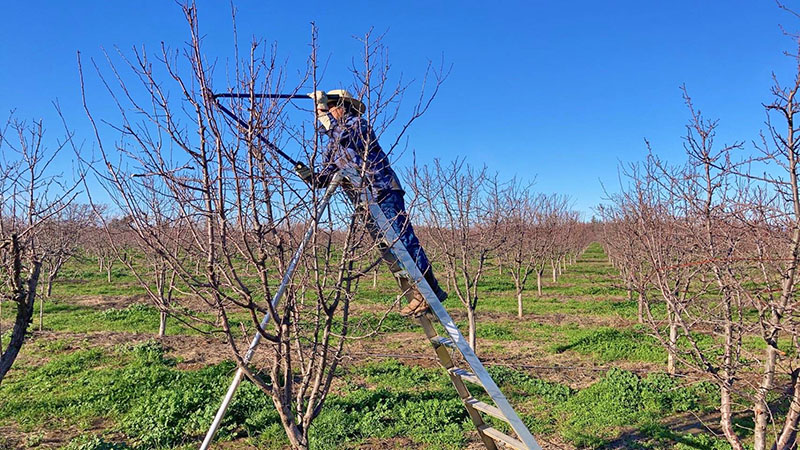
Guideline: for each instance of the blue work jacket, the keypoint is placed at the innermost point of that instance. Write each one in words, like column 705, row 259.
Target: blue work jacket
column 350, row 143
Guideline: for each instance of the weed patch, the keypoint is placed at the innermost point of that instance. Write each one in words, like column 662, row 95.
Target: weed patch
column 597, row 414
column 610, row 344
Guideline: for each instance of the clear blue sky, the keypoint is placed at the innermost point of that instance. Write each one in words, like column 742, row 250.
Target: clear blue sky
column 560, row 91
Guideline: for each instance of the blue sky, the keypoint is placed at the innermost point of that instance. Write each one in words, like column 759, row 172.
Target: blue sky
column 559, row 91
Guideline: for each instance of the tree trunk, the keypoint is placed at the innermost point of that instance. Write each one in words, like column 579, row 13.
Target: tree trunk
column 519, row 303
column 553, row 265
column 25, row 296
column 296, row 437
column 24, row 315
column 49, row 288
column 472, row 337
column 375, row 278
column 640, row 315
column 725, row 418
column 41, row 313
column 760, row 408
column 539, row 282
column 108, row 271
column 162, row 324
column 788, row 438
column 673, row 340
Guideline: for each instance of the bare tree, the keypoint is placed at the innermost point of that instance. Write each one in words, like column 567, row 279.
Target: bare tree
column 517, row 252
column 214, row 202
column 626, row 254
column 777, row 215
column 722, row 242
column 62, row 238
column 104, row 232
column 461, row 208
column 537, row 230
column 31, row 193
column 152, row 267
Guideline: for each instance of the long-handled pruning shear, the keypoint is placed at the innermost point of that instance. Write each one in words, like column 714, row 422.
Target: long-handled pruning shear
column 215, row 97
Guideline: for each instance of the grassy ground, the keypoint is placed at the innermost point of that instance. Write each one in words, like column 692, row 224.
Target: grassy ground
column 577, row 367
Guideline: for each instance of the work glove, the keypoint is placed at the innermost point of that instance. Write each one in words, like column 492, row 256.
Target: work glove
column 320, row 100
column 305, row 173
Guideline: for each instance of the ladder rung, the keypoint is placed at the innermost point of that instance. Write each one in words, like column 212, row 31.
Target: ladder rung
column 465, row 375
column 402, row 274
column 501, row 437
column 440, row 340
column 486, row 408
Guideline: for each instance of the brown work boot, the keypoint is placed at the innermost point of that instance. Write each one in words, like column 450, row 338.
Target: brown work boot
column 417, row 306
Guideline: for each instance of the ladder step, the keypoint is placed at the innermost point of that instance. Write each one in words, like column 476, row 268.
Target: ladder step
column 465, row 375
column 486, row 408
column 502, row 438
column 439, row 341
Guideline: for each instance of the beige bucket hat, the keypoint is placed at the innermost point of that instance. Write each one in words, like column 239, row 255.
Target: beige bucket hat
column 345, row 96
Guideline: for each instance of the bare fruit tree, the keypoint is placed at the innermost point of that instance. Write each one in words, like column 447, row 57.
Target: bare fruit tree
column 63, row 237
column 533, row 225
column 775, row 223
column 97, row 244
column 721, row 238
column 621, row 244
column 664, row 240
column 31, row 194
column 151, row 267
column 518, row 227
column 216, row 206
column 461, row 208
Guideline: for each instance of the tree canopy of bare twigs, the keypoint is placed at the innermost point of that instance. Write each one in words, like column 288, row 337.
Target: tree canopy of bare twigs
column 217, row 215
column 461, row 208
column 32, row 195
column 717, row 239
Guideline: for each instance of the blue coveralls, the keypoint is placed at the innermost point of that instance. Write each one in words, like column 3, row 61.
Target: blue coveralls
column 347, row 141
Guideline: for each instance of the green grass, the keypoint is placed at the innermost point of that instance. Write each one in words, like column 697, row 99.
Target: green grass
column 135, row 318
column 157, row 406
column 596, row 415
column 138, row 389
column 610, row 344
column 141, row 397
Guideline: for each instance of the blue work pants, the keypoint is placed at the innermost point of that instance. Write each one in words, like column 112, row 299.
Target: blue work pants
column 393, row 206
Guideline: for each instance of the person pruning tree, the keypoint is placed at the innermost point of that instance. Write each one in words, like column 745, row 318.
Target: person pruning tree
column 352, row 144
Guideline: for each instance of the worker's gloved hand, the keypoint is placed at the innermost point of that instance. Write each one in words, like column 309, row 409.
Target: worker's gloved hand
column 320, row 100
column 305, row 173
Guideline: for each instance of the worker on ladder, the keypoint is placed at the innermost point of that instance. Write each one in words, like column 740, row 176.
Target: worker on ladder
column 352, row 144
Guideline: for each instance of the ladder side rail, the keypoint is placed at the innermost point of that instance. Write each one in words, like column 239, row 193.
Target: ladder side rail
column 444, row 318
column 447, row 363
column 287, row 277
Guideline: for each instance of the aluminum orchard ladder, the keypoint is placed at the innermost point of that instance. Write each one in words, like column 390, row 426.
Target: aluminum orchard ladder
column 477, row 374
